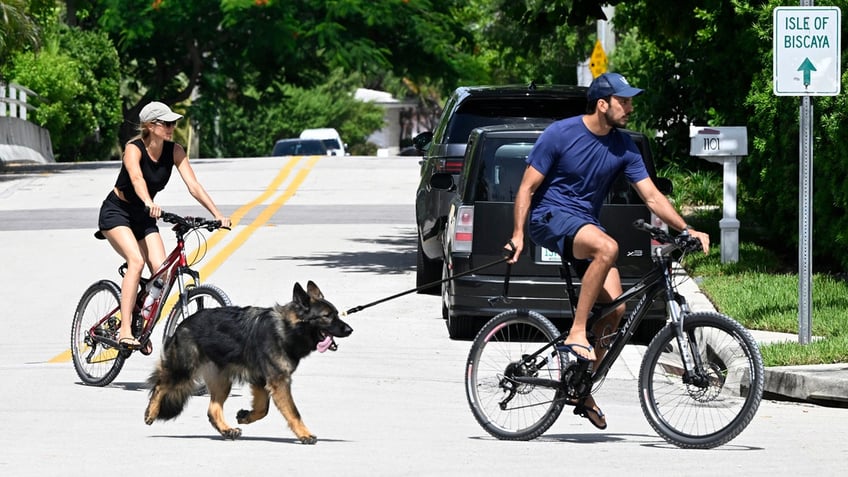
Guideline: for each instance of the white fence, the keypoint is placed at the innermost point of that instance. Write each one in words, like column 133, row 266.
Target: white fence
column 13, row 100
column 21, row 140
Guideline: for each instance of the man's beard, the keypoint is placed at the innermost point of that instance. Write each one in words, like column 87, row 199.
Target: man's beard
column 616, row 123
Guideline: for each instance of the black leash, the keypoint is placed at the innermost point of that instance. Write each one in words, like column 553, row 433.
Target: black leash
column 439, row 282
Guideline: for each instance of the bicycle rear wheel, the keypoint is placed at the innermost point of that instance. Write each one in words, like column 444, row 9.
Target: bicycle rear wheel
column 716, row 406
column 505, row 408
column 96, row 363
column 199, row 298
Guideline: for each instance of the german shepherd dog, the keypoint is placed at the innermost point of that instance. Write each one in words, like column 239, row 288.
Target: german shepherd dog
column 258, row 346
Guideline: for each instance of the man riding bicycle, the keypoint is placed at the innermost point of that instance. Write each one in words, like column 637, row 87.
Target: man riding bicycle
column 570, row 171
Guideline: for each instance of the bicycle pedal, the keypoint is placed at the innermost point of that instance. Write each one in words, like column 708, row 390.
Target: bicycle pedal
column 146, row 348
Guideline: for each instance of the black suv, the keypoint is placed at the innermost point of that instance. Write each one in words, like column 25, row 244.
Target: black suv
column 480, row 222
column 470, row 107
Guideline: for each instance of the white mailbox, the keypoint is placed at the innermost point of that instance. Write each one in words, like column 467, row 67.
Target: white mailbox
column 724, row 145
column 723, row 141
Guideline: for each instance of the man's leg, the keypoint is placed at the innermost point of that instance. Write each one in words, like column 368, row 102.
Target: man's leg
column 591, row 243
column 605, row 326
column 602, row 328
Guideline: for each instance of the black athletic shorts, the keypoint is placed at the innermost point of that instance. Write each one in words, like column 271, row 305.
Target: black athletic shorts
column 579, row 265
column 115, row 212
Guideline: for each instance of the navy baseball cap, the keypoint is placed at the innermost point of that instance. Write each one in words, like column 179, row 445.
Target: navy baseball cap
column 611, row 84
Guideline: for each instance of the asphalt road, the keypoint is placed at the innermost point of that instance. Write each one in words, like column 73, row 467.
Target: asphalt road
column 389, row 402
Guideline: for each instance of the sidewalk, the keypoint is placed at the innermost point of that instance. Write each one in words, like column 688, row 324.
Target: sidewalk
column 824, row 384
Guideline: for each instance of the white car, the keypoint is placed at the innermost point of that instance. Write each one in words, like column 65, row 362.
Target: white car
column 330, row 137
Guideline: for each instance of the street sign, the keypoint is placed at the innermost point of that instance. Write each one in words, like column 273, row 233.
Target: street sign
column 598, row 61
column 807, row 51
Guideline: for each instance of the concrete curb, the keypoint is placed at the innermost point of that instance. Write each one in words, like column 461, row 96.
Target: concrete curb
column 823, row 384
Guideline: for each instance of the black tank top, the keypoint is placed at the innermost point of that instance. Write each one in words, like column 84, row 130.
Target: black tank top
column 156, row 173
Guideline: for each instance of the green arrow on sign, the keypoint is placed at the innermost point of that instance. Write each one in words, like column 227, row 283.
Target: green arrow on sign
column 807, row 67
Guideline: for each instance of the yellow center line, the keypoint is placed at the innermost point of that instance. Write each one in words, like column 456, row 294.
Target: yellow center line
column 213, row 263
column 218, row 259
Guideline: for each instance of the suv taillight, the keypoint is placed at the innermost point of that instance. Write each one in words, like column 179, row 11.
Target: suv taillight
column 463, row 231
column 454, row 166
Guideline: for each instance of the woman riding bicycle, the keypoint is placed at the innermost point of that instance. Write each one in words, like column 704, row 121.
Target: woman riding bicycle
column 128, row 214
column 570, row 170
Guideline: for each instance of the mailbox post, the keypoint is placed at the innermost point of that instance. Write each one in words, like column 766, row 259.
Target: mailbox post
column 723, row 145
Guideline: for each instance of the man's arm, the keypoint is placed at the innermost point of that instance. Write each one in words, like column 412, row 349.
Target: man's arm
column 529, row 183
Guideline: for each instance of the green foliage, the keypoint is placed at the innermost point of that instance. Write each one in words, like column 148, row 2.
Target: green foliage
column 709, row 62
column 771, row 172
column 225, row 47
column 18, row 29
column 249, row 124
column 691, row 57
column 530, row 41
column 757, row 292
column 76, row 79
column 694, row 189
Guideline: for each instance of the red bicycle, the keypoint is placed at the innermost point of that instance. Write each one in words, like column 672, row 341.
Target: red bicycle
column 97, row 355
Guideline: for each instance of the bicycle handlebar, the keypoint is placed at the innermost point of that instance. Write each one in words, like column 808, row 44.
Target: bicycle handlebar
column 682, row 241
column 189, row 222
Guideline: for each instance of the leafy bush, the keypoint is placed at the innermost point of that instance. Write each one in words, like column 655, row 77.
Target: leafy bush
column 76, row 79
column 695, row 188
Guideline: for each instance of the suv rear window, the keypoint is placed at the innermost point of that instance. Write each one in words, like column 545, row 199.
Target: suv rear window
column 500, row 171
column 501, row 167
column 479, row 112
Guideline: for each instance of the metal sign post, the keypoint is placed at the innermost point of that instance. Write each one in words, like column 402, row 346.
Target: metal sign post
column 807, row 62
column 805, row 223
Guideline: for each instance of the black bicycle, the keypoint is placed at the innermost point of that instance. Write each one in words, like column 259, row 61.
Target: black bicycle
column 700, row 382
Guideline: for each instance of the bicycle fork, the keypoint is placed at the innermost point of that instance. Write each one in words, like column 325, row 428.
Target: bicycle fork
column 677, row 310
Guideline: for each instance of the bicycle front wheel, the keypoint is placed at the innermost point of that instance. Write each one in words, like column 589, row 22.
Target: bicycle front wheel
column 506, row 408
column 715, row 405
column 198, row 298
column 96, row 363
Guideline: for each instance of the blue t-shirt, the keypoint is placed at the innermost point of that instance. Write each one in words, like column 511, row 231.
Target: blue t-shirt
column 579, row 169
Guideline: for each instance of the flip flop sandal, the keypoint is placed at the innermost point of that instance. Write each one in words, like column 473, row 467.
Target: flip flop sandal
column 129, row 343
column 595, row 416
column 569, row 348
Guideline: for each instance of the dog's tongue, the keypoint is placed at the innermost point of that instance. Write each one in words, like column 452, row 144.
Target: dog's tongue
column 324, row 344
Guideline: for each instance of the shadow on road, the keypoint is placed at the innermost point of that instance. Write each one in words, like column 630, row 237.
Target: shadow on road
column 397, row 256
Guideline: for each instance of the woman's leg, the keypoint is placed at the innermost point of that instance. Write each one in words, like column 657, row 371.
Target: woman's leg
column 123, row 241
column 153, row 248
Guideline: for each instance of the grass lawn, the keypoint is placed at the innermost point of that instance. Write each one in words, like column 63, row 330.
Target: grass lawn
column 760, row 297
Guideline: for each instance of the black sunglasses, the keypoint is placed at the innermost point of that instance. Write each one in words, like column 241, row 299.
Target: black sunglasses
column 169, row 124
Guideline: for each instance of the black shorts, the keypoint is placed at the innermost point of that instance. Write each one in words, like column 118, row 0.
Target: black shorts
column 115, row 212
column 579, row 265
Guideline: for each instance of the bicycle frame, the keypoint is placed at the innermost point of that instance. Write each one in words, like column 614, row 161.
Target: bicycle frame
column 656, row 282
column 171, row 271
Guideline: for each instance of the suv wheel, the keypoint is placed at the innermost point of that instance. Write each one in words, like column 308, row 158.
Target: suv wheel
column 459, row 327
column 462, row 327
column 427, row 271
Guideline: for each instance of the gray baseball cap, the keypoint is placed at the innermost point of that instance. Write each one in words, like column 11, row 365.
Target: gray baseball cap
column 157, row 111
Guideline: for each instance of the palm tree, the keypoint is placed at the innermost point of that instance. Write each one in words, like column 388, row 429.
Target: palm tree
column 17, row 29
